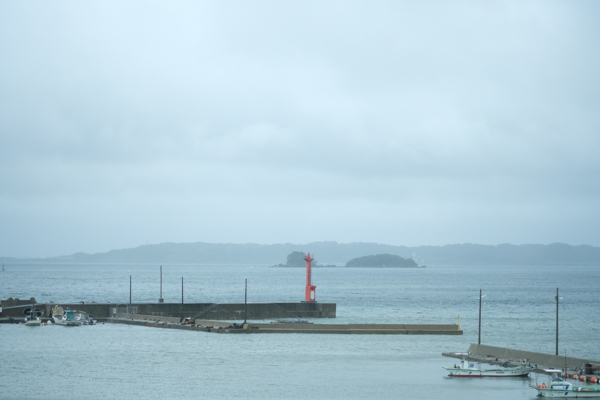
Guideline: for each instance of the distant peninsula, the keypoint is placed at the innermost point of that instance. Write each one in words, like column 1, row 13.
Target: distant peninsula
column 382, row 261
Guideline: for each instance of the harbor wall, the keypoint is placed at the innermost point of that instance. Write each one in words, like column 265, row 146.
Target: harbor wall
column 552, row 361
column 209, row 311
column 274, row 328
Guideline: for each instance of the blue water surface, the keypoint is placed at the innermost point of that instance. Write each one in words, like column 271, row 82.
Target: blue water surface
column 115, row 361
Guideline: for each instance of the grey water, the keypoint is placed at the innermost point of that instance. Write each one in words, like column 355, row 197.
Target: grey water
column 116, row 361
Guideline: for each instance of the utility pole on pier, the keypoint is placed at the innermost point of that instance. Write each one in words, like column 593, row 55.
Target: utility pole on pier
column 160, row 299
column 479, row 340
column 556, row 321
column 246, row 301
column 182, row 298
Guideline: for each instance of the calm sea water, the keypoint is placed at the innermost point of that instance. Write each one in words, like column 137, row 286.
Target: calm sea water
column 114, row 361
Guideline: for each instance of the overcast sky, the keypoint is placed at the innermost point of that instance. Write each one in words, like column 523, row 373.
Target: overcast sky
column 404, row 123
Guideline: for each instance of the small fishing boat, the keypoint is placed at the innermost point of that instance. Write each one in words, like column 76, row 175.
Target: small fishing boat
column 66, row 319
column 84, row 318
column 32, row 320
column 559, row 388
column 470, row 369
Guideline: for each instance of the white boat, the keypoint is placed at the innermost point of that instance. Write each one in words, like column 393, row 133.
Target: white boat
column 84, row 318
column 66, row 319
column 470, row 369
column 33, row 320
column 559, row 388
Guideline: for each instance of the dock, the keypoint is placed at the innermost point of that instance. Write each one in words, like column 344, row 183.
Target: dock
column 252, row 327
column 207, row 311
column 501, row 356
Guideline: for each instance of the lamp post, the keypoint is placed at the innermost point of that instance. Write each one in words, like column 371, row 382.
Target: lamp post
column 182, row 298
column 480, row 297
column 246, row 301
column 160, row 299
column 556, row 299
column 479, row 338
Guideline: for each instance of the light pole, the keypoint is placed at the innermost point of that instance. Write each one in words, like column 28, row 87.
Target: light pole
column 246, row 301
column 479, row 338
column 182, row 298
column 160, row 299
column 556, row 300
column 480, row 297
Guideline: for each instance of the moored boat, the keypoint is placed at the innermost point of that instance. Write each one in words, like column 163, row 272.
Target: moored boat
column 559, row 388
column 470, row 369
column 33, row 320
column 66, row 319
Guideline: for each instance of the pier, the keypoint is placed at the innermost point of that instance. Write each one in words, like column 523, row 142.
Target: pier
column 228, row 327
column 208, row 311
column 500, row 355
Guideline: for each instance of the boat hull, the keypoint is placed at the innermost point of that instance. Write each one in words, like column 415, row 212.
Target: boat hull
column 500, row 372
column 470, row 369
column 68, row 323
column 488, row 374
column 569, row 394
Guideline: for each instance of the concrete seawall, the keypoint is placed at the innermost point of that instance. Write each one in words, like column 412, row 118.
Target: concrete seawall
column 500, row 355
column 534, row 358
column 209, row 311
column 252, row 327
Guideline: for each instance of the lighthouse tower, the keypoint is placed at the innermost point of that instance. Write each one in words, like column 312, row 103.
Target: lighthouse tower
column 310, row 293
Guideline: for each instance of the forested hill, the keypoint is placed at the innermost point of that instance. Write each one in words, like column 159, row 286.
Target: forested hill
column 340, row 253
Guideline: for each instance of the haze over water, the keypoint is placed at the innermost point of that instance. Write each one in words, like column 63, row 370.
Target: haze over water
column 113, row 361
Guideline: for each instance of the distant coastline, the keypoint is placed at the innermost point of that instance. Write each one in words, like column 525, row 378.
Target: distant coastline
column 335, row 255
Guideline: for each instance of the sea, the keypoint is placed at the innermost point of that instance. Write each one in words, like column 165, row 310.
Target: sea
column 111, row 361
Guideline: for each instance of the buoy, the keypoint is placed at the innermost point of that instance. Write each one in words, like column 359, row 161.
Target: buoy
column 575, row 376
column 582, row 378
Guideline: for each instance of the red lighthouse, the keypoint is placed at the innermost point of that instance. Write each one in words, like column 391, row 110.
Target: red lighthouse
column 310, row 293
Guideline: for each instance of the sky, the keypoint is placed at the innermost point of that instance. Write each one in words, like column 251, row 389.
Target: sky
column 396, row 122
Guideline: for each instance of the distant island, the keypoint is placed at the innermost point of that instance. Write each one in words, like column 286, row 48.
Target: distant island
column 296, row 260
column 382, row 261
column 336, row 254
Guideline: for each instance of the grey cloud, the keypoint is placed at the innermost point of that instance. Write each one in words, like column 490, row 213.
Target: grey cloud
column 398, row 122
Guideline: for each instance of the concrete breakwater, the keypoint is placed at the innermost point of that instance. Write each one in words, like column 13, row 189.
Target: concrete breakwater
column 227, row 327
column 208, row 311
column 500, row 355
